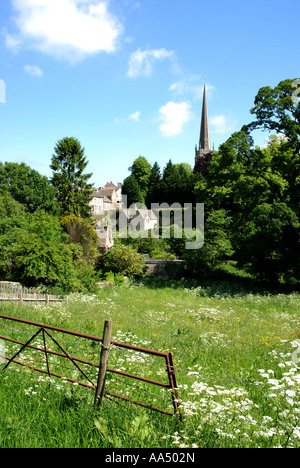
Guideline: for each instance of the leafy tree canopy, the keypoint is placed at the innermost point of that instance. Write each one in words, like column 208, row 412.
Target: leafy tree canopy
column 132, row 190
column 259, row 190
column 277, row 110
column 33, row 251
column 28, row 187
column 141, row 170
column 9, row 206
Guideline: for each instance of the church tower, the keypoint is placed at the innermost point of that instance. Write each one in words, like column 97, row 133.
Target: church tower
column 204, row 153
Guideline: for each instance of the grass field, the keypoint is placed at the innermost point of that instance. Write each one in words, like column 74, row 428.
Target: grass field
column 235, row 355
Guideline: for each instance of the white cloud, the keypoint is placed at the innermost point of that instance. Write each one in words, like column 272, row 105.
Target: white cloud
column 222, row 124
column 173, row 116
column 132, row 4
column 68, row 29
column 33, row 70
column 141, row 61
column 280, row 137
column 12, row 42
column 135, row 117
column 191, row 86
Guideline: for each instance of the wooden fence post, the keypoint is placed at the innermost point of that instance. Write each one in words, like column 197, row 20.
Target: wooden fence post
column 103, row 362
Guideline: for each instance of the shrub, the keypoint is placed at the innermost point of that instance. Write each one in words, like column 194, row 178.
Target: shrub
column 32, row 251
column 123, row 259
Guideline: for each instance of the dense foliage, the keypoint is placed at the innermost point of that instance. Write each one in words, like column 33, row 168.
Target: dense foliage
column 28, row 187
column 146, row 184
column 42, row 240
column 251, row 196
column 32, row 248
column 123, row 259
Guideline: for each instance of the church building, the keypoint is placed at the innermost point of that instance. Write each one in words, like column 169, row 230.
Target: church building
column 203, row 154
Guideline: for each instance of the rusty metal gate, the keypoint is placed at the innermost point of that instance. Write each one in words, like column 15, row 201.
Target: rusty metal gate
column 46, row 332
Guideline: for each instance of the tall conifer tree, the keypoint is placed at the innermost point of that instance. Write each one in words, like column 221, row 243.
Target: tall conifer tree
column 73, row 189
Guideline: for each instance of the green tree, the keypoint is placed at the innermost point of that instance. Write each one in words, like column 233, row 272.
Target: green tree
column 28, row 187
column 154, row 186
column 123, row 259
column 141, row 170
column 258, row 191
column 135, row 186
column 33, row 251
column 177, row 185
column 186, row 183
column 73, row 189
column 276, row 110
column 9, row 206
column 132, row 190
column 217, row 244
column 270, row 242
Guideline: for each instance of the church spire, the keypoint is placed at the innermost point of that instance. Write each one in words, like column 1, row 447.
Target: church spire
column 204, row 153
column 204, row 142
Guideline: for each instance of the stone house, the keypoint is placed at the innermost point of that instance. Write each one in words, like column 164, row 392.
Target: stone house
column 137, row 219
column 106, row 198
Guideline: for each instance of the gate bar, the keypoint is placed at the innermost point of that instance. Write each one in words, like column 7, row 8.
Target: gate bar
column 82, row 335
column 92, row 364
column 49, row 373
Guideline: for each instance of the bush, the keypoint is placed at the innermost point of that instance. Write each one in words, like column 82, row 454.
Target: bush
column 156, row 248
column 114, row 278
column 216, row 247
column 124, row 260
column 32, row 251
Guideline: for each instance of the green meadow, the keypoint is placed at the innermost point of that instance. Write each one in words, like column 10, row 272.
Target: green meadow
column 235, row 355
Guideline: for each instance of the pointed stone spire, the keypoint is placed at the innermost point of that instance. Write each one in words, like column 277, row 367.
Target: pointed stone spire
column 204, row 142
column 204, row 153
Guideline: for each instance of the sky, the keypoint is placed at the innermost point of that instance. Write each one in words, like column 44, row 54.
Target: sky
column 125, row 77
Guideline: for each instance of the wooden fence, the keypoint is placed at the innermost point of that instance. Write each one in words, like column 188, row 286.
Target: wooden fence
column 16, row 292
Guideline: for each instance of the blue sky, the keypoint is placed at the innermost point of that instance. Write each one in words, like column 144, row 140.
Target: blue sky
column 125, row 77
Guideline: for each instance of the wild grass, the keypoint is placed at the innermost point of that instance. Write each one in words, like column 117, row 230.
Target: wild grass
column 235, row 355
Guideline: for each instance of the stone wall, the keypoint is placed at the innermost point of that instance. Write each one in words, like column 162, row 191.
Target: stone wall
column 170, row 268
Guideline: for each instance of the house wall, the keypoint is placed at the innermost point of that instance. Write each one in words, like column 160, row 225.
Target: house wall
column 97, row 205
